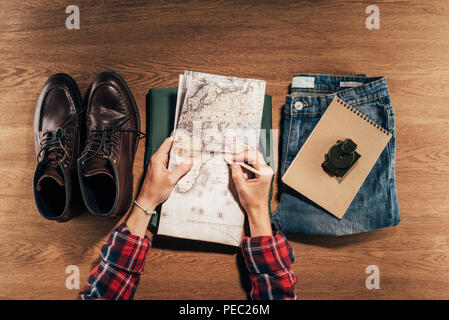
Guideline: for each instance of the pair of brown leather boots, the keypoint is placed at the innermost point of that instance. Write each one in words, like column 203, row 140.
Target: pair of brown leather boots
column 85, row 149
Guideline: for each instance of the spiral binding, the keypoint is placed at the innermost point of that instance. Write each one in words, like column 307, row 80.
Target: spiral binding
column 363, row 116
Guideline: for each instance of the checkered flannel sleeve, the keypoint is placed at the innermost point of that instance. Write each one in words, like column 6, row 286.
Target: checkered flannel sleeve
column 118, row 274
column 269, row 261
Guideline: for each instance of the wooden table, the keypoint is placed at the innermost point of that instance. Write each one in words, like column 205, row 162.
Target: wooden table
column 149, row 44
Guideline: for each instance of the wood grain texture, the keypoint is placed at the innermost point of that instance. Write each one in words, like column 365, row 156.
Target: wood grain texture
column 149, row 43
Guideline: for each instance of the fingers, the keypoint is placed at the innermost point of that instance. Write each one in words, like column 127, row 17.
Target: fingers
column 253, row 157
column 161, row 155
column 178, row 172
column 237, row 175
column 165, row 146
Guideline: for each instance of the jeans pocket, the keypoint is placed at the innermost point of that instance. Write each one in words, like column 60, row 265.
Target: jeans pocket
column 391, row 128
column 380, row 111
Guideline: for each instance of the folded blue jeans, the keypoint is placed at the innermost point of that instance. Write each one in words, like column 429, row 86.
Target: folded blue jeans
column 375, row 205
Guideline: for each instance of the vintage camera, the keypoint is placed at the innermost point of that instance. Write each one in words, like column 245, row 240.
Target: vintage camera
column 340, row 158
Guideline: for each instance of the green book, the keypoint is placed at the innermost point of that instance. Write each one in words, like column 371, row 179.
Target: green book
column 161, row 106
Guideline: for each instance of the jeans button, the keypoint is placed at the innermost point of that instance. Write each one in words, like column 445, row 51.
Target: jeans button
column 299, row 105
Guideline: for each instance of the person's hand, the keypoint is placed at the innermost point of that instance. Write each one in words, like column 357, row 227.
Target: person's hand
column 157, row 186
column 254, row 193
column 159, row 181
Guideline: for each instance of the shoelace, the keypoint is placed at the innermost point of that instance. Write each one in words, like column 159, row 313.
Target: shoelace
column 103, row 142
column 54, row 141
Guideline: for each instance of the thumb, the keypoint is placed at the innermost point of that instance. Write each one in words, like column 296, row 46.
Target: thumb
column 178, row 172
column 237, row 175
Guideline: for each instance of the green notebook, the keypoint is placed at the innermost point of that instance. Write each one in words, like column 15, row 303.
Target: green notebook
column 161, row 105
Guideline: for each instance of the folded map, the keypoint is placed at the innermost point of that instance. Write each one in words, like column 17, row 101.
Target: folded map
column 216, row 117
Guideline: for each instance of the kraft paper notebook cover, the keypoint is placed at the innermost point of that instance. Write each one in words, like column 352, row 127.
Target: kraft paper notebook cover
column 160, row 116
column 305, row 174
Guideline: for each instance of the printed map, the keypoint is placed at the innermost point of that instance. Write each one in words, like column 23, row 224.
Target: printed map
column 216, row 116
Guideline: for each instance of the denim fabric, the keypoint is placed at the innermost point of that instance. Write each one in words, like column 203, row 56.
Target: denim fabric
column 375, row 205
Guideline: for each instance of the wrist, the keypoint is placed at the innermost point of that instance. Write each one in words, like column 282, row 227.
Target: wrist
column 259, row 221
column 138, row 220
column 261, row 228
column 257, row 212
column 147, row 203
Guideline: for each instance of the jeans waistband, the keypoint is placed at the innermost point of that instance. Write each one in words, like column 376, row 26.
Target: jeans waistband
column 314, row 90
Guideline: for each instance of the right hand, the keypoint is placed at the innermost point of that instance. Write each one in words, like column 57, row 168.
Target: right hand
column 254, row 193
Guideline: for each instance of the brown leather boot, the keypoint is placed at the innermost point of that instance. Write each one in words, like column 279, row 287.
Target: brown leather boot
column 57, row 119
column 113, row 129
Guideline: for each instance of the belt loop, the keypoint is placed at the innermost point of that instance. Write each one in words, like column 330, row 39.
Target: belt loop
column 290, row 107
column 322, row 102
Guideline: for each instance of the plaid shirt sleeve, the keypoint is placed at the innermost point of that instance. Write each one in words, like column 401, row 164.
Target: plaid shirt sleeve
column 118, row 274
column 269, row 261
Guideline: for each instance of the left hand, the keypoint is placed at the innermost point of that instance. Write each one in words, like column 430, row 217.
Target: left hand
column 159, row 181
column 156, row 188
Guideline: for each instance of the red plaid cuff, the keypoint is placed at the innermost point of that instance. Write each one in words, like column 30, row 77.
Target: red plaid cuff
column 267, row 254
column 269, row 261
column 126, row 251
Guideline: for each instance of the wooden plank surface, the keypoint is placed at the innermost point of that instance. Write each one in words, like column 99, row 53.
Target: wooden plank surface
column 149, row 43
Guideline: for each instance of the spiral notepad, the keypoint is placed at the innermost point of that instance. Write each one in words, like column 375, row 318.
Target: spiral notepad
column 339, row 122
